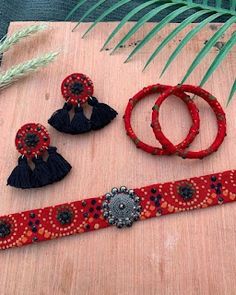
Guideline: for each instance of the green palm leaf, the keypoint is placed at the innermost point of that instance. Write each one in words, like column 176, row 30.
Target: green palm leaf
column 105, row 13
column 89, row 11
column 233, row 90
column 219, row 58
column 127, row 18
column 77, row 6
column 232, row 5
column 208, row 46
column 157, row 28
column 179, row 28
column 141, row 22
column 185, row 40
column 204, row 10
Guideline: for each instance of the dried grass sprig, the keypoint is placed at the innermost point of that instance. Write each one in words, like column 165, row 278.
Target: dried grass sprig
column 8, row 42
column 20, row 70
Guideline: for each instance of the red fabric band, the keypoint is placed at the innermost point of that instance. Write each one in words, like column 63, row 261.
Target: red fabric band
column 213, row 103
column 194, row 130
column 82, row 216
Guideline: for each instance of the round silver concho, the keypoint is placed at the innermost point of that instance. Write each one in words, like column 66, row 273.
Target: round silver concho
column 121, row 207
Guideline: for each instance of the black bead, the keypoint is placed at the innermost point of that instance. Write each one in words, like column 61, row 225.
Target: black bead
column 159, row 197
column 157, row 203
column 153, row 190
column 35, row 239
column 159, row 211
column 87, row 226
column 37, row 222
column 5, row 229
column 85, row 214
column 31, row 139
column 91, row 209
column 32, row 215
column 30, row 223
column 152, row 198
column 186, row 192
column 219, row 184
column 93, row 202
column 96, row 215
column 34, row 229
column 65, row 217
column 98, row 208
column 84, row 203
column 77, row 88
column 218, row 191
column 213, row 178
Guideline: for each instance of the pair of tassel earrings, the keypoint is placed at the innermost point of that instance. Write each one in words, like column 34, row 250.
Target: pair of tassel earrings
column 39, row 163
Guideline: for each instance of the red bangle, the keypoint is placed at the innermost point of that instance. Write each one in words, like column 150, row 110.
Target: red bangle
column 120, row 207
column 214, row 104
column 194, row 130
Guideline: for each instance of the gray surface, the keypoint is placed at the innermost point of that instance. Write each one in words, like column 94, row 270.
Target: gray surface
column 57, row 10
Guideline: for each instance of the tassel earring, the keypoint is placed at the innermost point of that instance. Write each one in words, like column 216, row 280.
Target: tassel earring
column 77, row 89
column 33, row 142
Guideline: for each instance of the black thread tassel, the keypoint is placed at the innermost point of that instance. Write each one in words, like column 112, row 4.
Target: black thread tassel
column 21, row 175
column 60, row 119
column 57, row 165
column 102, row 114
column 79, row 123
column 41, row 175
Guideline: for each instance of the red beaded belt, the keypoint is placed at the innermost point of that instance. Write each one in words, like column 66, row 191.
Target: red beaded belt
column 120, row 207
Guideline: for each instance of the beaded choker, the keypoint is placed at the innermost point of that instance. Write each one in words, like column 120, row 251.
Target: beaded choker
column 120, row 207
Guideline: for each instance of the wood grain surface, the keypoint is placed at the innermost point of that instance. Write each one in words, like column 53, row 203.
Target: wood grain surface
column 187, row 253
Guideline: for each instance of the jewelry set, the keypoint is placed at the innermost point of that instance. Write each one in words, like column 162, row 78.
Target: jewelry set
column 40, row 164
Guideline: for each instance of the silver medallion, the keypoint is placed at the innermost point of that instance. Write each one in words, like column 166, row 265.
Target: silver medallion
column 121, row 207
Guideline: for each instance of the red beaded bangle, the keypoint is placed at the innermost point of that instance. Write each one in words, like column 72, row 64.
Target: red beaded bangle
column 214, row 104
column 194, row 130
column 120, row 207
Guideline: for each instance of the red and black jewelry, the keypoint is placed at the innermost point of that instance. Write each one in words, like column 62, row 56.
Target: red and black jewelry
column 77, row 89
column 33, row 143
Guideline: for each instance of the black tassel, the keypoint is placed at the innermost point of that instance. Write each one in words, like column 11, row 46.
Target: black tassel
column 21, row 175
column 57, row 165
column 41, row 175
column 60, row 119
column 102, row 114
column 80, row 124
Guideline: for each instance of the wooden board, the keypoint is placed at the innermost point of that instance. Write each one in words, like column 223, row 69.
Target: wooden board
column 188, row 253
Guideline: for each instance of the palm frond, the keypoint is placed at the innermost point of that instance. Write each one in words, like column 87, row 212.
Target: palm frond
column 179, row 28
column 104, row 14
column 219, row 58
column 141, row 22
column 232, row 92
column 232, row 5
column 89, row 11
column 157, row 28
column 73, row 11
column 177, row 7
column 210, row 43
column 185, row 40
column 126, row 19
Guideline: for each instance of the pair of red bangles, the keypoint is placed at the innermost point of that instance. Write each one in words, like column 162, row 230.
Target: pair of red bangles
column 168, row 148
